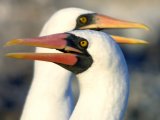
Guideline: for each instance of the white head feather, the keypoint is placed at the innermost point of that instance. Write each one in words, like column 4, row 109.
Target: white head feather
column 104, row 87
column 63, row 20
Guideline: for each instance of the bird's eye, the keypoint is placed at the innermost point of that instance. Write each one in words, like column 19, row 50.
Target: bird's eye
column 83, row 43
column 83, row 20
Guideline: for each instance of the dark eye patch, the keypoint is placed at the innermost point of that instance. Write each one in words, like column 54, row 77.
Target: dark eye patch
column 89, row 17
column 75, row 42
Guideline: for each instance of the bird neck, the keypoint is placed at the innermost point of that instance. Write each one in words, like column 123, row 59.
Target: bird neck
column 103, row 93
column 50, row 94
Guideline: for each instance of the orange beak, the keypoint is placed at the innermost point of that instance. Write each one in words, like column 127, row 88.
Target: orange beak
column 103, row 21
column 106, row 22
column 58, row 41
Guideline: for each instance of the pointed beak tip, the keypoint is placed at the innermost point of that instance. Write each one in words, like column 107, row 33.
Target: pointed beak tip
column 145, row 42
column 145, row 27
column 7, row 44
column 13, row 42
column 14, row 55
column 9, row 55
column 141, row 42
column 125, row 40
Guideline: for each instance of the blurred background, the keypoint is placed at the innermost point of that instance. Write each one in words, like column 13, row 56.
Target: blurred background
column 25, row 18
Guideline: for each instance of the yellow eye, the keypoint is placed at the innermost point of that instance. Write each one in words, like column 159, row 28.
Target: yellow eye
column 83, row 20
column 83, row 43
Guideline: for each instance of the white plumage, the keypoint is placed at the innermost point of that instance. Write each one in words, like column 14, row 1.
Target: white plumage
column 50, row 96
column 104, row 87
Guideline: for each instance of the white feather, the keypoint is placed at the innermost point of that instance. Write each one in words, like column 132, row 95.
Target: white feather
column 104, row 87
column 50, row 96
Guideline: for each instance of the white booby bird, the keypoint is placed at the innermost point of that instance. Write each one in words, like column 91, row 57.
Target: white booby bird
column 99, row 65
column 50, row 95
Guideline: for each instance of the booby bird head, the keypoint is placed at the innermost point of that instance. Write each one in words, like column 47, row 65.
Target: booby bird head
column 66, row 20
column 69, row 19
column 79, row 49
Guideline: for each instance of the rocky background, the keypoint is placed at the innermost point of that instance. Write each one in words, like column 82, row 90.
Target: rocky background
column 25, row 18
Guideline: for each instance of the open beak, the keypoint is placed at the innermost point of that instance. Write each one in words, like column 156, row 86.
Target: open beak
column 103, row 21
column 59, row 41
column 56, row 41
column 106, row 22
